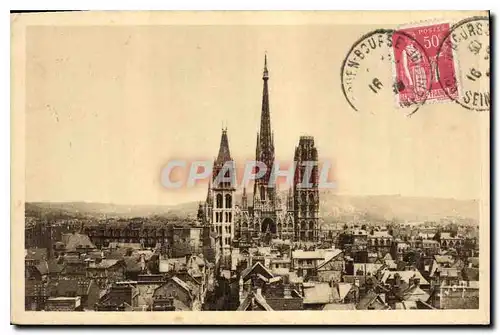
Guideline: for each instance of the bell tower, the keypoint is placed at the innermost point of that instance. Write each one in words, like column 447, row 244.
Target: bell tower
column 305, row 190
column 221, row 195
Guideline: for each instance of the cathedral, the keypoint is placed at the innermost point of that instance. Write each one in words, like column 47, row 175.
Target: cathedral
column 271, row 215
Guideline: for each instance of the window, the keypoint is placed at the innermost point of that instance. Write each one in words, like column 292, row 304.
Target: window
column 229, row 203
column 219, row 201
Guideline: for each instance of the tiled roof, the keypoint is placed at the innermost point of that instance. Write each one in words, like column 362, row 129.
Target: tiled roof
column 105, row 264
column 78, row 240
column 443, row 258
column 50, row 266
column 343, row 289
column 182, row 284
column 370, row 268
column 370, row 299
column 37, row 254
column 405, row 276
column 415, row 293
column 391, row 264
column 448, row 272
column 132, row 264
column 447, row 236
column 248, row 270
column 262, row 302
column 301, row 254
column 380, row 234
column 66, row 287
column 328, row 256
column 320, row 293
column 254, row 298
column 474, row 261
column 470, row 274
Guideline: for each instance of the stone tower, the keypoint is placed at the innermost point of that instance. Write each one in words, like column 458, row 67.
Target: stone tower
column 220, row 197
column 264, row 194
column 305, row 190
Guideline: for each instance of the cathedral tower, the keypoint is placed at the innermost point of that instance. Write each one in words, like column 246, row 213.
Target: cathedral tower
column 264, row 195
column 265, row 144
column 220, row 198
column 305, row 190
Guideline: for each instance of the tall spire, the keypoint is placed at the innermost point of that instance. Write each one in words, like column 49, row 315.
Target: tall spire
column 244, row 200
column 265, row 118
column 209, row 193
column 265, row 143
column 224, row 154
column 265, row 76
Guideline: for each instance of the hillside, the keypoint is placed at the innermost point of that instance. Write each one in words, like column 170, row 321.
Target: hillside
column 332, row 207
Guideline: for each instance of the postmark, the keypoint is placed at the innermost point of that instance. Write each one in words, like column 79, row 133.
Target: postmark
column 370, row 72
column 469, row 42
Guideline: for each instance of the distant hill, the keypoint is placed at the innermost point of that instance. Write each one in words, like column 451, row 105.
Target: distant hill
column 332, row 207
column 94, row 209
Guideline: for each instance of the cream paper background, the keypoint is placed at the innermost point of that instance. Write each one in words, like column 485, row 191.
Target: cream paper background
column 441, row 151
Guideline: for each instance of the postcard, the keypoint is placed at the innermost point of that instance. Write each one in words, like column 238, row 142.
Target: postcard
column 329, row 167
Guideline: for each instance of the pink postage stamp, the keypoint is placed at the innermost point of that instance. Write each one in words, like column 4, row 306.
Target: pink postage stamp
column 417, row 73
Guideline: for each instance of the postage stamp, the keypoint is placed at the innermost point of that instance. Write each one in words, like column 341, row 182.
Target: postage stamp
column 413, row 72
column 387, row 65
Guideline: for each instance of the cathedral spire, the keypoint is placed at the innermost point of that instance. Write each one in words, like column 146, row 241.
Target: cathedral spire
column 265, row 142
column 265, row 75
column 265, row 117
column 224, row 154
column 244, row 200
column 209, row 193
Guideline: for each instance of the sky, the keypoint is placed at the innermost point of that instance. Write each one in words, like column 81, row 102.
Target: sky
column 108, row 107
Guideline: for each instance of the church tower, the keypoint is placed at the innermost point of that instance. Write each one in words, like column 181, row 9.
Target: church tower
column 265, row 144
column 264, row 195
column 220, row 197
column 305, row 190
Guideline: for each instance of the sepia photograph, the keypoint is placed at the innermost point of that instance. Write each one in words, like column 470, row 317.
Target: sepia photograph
column 184, row 167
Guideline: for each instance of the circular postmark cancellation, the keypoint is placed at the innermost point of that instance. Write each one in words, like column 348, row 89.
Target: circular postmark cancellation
column 469, row 42
column 386, row 68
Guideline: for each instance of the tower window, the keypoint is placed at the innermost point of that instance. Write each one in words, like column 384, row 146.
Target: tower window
column 229, row 201
column 219, row 201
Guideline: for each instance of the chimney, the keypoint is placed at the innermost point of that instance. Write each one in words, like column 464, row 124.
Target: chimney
column 416, row 281
column 241, row 290
column 287, row 293
column 143, row 262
